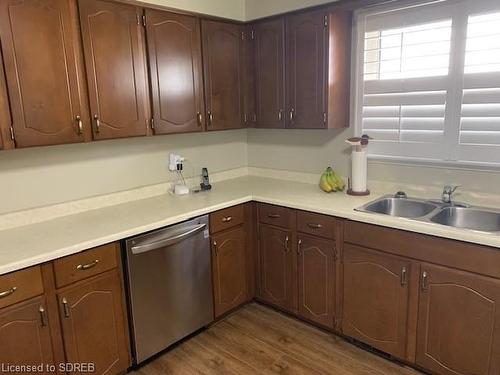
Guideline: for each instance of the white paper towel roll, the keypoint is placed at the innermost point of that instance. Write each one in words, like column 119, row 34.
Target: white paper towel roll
column 359, row 171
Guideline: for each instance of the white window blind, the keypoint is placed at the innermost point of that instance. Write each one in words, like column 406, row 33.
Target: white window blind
column 428, row 81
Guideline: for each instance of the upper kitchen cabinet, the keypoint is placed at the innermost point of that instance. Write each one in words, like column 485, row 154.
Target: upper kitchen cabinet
column 5, row 119
column 174, row 44
column 115, row 58
column 307, row 70
column 44, row 74
column 269, row 57
column 223, row 55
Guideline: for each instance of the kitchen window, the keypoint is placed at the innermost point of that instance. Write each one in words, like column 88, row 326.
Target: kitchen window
column 427, row 81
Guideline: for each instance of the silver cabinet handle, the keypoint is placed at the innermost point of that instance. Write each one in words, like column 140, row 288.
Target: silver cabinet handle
column 199, row 118
column 292, row 114
column 404, row 276
column 273, row 216
column 280, row 115
column 299, row 244
column 314, row 226
column 8, row 292
column 215, row 248
column 210, row 118
column 97, row 124
column 227, row 219
column 65, row 307
column 286, row 244
column 80, row 124
column 43, row 316
column 425, row 285
column 83, row 267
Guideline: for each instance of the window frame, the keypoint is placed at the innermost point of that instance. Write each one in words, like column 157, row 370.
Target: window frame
column 461, row 10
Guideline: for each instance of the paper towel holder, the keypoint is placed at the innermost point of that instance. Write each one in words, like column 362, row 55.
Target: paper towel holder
column 357, row 182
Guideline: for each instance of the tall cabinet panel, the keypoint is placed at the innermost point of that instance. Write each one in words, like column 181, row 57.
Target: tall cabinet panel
column 223, row 55
column 174, row 44
column 40, row 46
column 307, row 70
column 115, row 58
column 269, row 52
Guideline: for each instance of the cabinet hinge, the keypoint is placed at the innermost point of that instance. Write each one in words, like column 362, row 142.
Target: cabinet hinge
column 144, row 20
column 12, row 135
column 326, row 21
column 152, row 123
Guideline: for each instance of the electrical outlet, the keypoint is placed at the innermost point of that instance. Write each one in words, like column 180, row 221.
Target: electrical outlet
column 174, row 162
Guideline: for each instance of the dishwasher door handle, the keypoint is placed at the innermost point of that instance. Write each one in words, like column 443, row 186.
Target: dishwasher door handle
column 139, row 249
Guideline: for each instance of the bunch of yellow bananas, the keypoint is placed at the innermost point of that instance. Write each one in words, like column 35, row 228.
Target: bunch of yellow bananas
column 330, row 181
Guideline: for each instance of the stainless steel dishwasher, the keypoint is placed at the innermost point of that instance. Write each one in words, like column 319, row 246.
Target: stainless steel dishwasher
column 169, row 284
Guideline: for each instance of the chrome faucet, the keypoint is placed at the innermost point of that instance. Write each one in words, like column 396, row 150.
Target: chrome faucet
column 448, row 192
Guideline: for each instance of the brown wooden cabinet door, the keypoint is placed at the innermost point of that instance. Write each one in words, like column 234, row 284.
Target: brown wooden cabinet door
column 40, row 46
column 376, row 299
column 115, row 58
column 25, row 335
column 229, row 270
column 269, row 51
column 276, row 266
column 5, row 119
column 174, row 44
column 223, row 66
column 316, row 279
column 307, row 70
column 93, row 323
column 249, row 116
column 459, row 322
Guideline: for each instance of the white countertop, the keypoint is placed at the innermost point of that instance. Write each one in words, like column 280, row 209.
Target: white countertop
column 33, row 244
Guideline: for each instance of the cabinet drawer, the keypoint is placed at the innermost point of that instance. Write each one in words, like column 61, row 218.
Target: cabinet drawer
column 276, row 215
column 83, row 265
column 316, row 224
column 226, row 218
column 20, row 285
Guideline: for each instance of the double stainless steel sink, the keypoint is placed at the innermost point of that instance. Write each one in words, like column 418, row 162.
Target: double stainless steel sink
column 452, row 214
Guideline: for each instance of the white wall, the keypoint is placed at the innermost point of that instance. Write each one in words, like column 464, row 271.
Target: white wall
column 311, row 151
column 233, row 9
column 48, row 175
column 262, row 8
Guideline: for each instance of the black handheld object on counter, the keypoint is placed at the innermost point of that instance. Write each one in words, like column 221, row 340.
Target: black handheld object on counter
column 205, row 181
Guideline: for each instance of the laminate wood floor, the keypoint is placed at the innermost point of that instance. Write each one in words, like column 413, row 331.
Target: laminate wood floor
column 259, row 340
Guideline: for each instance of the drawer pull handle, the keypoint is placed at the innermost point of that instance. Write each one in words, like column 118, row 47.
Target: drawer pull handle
column 43, row 319
column 65, row 307
column 273, row 216
column 227, row 219
column 286, row 243
column 299, row 244
column 83, row 267
column 314, row 226
column 425, row 285
column 404, row 276
column 8, row 292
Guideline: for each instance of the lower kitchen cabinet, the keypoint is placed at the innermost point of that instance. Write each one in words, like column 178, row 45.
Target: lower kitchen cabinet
column 93, row 323
column 276, row 266
column 458, row 323
column 25, row 335
column 229, row 270
column 376, row 299
column 316, row 279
